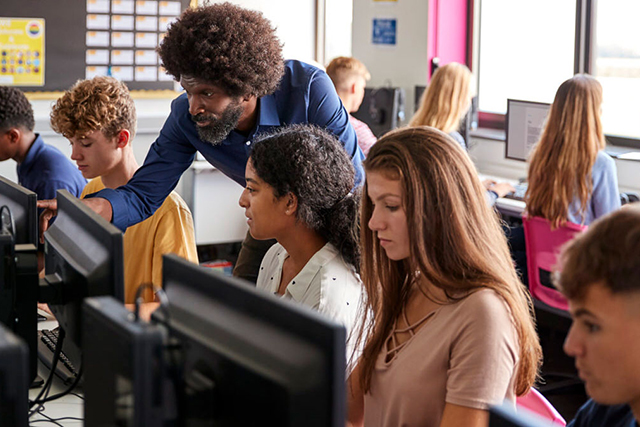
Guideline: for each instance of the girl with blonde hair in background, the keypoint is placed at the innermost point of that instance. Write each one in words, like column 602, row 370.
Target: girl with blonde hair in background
column 443, row 105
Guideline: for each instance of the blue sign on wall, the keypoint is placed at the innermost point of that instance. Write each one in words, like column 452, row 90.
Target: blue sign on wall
column 384, row 31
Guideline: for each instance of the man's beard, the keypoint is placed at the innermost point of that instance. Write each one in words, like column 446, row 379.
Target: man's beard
column 218, row 129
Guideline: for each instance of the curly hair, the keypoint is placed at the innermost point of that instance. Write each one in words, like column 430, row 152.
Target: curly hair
column 225, row 45
column 312, row 164
column 102, row 103
column 15, row 109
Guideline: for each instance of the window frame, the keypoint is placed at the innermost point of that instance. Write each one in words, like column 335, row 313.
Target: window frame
column 583, row 61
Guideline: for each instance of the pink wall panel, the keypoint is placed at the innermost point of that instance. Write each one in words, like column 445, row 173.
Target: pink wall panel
column 447, row 31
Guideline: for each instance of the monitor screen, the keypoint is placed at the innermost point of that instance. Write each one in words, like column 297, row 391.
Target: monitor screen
column 382, row 109
column 83, row 258
column 19, row 264
column 524, row 125
column 124, row 375
column 14, row 380
column 24, row 213
column 233, row 356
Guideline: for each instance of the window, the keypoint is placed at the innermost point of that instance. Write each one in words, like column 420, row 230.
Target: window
column 527, row 48
column 617, row 65
column 519, row 57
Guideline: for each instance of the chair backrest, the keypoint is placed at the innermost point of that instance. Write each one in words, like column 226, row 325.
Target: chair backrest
column 537, row 403
column 543, row 246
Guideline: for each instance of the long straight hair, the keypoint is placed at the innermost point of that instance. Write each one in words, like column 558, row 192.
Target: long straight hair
column 446, row 99
column 561, row 162
column 456, row 243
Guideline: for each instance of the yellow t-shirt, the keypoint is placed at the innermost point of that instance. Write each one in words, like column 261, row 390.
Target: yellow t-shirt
column 168, row 230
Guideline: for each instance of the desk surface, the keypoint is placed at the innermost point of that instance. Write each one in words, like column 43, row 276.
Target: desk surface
column 509, row 207
column 66, row 406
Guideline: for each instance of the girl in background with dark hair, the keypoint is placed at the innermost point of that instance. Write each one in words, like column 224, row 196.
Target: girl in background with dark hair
column 299, row 192
column 450, row 330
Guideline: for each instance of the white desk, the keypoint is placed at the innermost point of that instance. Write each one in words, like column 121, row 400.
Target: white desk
column 66, row 406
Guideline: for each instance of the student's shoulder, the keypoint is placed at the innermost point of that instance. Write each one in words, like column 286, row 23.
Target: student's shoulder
column 603, row 160
column 483, row 306
column 594, row 414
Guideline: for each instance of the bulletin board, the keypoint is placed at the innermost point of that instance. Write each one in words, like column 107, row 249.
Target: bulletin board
column 46, row 46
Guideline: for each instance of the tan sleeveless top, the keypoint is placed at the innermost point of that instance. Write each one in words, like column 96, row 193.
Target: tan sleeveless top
column 465, row 353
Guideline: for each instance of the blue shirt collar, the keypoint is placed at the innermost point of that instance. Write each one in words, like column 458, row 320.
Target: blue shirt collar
column 268, row 111
column 32, row 154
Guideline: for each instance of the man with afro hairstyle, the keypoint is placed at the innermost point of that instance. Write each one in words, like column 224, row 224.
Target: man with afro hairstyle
column 229, row 61
column 42, row 168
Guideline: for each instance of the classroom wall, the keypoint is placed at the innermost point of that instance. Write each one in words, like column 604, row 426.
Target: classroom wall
column 403, row 65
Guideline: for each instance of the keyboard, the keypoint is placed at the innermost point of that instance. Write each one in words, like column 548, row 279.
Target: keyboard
column 65, row 370
column 521, row 190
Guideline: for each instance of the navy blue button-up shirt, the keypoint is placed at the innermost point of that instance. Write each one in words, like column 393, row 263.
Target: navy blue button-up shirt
column 305, row 95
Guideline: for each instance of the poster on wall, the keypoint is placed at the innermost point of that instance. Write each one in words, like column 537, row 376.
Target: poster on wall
column 22, row 51
column 384, row 31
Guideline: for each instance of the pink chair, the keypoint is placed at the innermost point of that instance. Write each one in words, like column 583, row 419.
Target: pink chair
column 538, row 404
column 543, row 246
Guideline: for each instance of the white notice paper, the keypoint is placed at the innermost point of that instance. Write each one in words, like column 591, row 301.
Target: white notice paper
column 123, row 6
column 163, row 76
column 122, row 57
column 164, row 22
column 146, row 74
column 147, row 7
column 97, row 38
column 146, row 23
column 121, row 39
column 146, row 40
column 97, row 22
column 97, row 6
column 97, row 56
column 122, row 73
column 122, row 22
column 169, row 8
column 91, row 72
column 146, row 57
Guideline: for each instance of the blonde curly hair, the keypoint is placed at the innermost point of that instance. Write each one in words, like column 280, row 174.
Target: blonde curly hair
column 102, row 103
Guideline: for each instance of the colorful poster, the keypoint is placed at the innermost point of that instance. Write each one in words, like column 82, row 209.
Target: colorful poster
column 22, row 51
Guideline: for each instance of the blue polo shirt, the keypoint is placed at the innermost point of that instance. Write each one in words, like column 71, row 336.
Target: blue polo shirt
column 305, row 95
column 593, row 414
column 45, row 170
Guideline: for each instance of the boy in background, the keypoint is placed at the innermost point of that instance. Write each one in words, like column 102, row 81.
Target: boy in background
column 350, row 77
column 42, row 168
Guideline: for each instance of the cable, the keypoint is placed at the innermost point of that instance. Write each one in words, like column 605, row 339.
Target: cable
column 157, row 292
column 67, row 391
column 54, row 363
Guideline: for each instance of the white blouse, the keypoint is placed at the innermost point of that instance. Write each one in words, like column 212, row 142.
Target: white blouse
column 326, row 283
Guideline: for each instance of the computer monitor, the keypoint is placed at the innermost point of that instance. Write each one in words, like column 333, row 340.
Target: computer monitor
column 83, row 258
column 382, row 109
column 524, row 124
column 506, row 416
column 19, row 264
column 124, row 376
column 234, row 356
column 22, row 205
column 14, row 380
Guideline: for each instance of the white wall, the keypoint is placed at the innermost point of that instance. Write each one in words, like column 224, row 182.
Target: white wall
column 403, row 65
column 295, row 22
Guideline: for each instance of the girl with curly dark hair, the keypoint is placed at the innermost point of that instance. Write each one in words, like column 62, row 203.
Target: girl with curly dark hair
column 299, row 191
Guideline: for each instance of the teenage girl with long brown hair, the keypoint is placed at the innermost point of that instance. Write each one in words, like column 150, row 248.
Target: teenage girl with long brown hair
column 570, row 177
column 450, row 330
